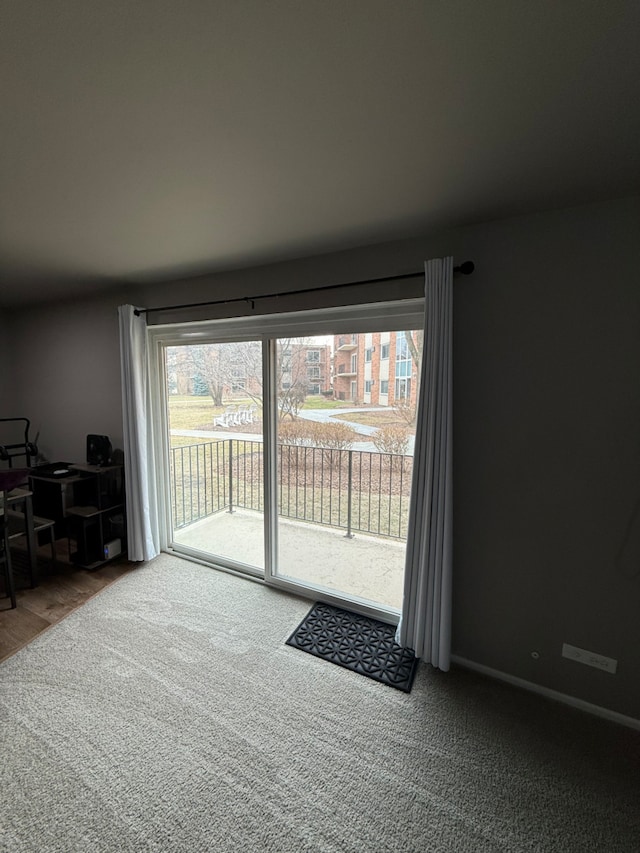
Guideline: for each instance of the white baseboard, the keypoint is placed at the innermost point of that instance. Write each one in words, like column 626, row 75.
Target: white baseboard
column 597, row 710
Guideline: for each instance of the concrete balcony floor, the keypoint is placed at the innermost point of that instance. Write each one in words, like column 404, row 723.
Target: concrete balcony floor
column 366, row 567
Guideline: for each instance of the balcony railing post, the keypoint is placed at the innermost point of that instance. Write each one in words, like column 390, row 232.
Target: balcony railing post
column 230, row 475
column 349, row 534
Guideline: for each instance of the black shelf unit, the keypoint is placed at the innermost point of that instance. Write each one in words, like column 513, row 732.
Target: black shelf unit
column 88, row 508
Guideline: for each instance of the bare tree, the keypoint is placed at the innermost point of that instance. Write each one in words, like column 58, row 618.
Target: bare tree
column 415, row 341
column 292, row 381
column 213, row 363
column 236, row 367
column 245, row 362
column 172, row 368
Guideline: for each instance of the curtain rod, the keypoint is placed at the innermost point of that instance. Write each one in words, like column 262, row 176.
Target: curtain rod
column 465, row 268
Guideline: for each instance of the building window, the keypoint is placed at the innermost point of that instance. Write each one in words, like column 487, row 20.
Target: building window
column 384, row 351
column 368, row 353
column 402, row 347
column 354, row 363
column 403, row 389
column 384, row 386
column 238, row 385
column 314, row 389
column 403, row 367
column 313, row 355
column 368, row 385
column 313, row 372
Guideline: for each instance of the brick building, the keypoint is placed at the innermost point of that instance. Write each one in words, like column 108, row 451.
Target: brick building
column 305, row 363
column 375, row 368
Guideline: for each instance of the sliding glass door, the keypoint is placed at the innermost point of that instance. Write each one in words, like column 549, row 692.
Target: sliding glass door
column 287, row 453
column 214, row 405
column 345, row 431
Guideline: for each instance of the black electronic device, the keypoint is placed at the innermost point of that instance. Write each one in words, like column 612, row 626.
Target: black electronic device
column 98, row 450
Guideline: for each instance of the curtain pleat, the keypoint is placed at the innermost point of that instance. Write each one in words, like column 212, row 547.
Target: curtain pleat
column 425, row 624
column 142, row 510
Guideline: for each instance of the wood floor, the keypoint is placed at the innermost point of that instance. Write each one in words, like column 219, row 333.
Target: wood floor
column 62, row 588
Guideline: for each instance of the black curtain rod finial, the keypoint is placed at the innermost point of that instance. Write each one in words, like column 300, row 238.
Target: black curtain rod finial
column 465, row 268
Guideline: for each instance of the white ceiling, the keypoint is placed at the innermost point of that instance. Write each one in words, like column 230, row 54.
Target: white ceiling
column 143, row 140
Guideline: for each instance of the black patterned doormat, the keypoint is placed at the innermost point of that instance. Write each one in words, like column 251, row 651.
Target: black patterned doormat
column 356, row 642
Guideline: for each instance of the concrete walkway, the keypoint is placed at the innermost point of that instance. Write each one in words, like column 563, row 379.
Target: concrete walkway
column 327, row 416
column 365, row 567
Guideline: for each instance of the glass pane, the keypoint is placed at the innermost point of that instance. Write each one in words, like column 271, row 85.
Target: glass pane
column 346, row 428
column 214, row 394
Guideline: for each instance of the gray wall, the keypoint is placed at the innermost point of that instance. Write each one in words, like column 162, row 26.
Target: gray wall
column 547, row 449
column 547, row 439
column 6, row 366
column 5, row 389
column 67, row 374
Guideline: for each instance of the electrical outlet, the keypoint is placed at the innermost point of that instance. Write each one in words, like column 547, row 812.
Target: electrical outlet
column 589, row 658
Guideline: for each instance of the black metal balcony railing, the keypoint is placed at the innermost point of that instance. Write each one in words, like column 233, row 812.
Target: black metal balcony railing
column 349, row 489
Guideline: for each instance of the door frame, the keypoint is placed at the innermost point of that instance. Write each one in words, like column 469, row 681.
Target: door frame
column 382, row 316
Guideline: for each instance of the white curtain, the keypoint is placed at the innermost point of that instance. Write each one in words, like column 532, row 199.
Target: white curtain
column 425, row 625
column 142, row 508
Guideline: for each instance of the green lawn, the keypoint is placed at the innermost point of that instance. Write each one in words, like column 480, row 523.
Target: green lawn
column 318, row 402
column 377, row 419
column 189, row 412
column 184, row 440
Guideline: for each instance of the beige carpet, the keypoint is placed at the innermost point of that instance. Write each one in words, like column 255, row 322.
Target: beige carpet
column 167, row 714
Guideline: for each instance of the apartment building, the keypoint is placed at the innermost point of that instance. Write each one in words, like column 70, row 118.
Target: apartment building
column 376, row 368
column 317, row 359
column 305, row 365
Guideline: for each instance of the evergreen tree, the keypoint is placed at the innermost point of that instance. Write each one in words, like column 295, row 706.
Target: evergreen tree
column 200, row 387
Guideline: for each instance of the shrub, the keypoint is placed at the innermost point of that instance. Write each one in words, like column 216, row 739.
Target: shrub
column 292, row 432
column 392, row 439
column 336, row 436
column 405, row 412
column 333, row 438
column 325, row 436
